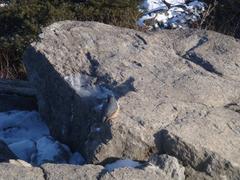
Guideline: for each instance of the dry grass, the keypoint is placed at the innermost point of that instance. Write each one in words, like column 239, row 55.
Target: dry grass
column 22, row 20
column 10, row 69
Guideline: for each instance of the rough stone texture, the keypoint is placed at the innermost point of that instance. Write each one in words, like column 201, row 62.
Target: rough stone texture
column 135, row 174
column 13, row 172
column 169, row 165
column 201, row 159
column 71, row 172
column 187, row 82
column 159, row 167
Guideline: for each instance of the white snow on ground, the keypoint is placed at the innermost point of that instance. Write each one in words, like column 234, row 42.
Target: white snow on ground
column 121, row 164
column 175, row 2
column 49, row 150
column 17, row 126
column 171, row 13
column 152, row 5
column 3, row 5
column 29, row 138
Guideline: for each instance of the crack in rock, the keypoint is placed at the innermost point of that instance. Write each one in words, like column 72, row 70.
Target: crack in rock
column 233, row 106
column 44, row 173
column 141, row 38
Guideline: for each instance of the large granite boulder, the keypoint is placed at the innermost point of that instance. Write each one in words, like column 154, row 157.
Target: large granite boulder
column 183, row 84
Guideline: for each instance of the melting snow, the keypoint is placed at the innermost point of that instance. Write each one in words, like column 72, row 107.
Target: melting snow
column 16, row 126
column 121, row 164
column 29, row 138
column 3, row 4
column 171, row 13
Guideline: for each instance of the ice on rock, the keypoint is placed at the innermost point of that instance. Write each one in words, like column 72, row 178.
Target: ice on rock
column 17, row 126
column 28, row 138
column 23, row 149
column 84, row 86
column 121, row 164
column 49, row 150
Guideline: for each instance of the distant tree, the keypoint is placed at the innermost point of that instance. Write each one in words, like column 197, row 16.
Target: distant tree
column 21, row 21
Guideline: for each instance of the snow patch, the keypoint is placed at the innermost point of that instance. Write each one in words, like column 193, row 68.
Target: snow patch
column 171, row 13
column 84, row 86
column 29, row 139
column 49, row 150
column 3, row 5
column 16, row 126
column 121, row 164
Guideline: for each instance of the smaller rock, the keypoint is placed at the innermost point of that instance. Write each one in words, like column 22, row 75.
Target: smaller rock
column 23, row 149
column 135, row 174
column 19, row 162
column 71, row 172
column 5, row 152
column 169, row 165
column 12, row 172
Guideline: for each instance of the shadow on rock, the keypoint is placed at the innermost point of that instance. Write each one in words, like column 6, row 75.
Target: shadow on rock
column 71, row 105
column 199, row 160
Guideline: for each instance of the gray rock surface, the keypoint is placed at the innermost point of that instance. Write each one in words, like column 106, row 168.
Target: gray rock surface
column 158, row 167
column 135, row 174
column 13, row 172
column 169, row 165
column 201, row 159
column 186, row 82
column 71, row 172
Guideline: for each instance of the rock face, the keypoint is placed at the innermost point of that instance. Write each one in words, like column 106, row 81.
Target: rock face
column 169, row 165
column 178, row 91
